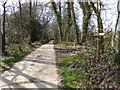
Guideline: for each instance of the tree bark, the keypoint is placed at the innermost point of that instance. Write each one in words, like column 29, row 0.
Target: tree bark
column 3, row 34
column 59, row 18
column 21, row 38
column 118, row 27
column 69, row 23
column 100, row 30
column 75, row 23
column 31, row 30
column 0, row 41
column 86, row 19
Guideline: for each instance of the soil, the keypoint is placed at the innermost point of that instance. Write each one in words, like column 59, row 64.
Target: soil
column 63, row 52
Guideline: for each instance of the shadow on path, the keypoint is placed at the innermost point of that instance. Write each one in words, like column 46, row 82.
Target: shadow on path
column 33, row 73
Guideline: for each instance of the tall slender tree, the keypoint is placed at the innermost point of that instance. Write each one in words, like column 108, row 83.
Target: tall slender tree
column 3, row 34
column 87, row 12
column 75, row 23
column 30, row 17
column 58, row 15
column 100, row 44
column 118, row 7
column 69, row 23
column 0, row 41
column 20, row 26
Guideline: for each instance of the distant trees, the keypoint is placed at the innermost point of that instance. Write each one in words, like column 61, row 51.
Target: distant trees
column 26, row 23
column 32, row 21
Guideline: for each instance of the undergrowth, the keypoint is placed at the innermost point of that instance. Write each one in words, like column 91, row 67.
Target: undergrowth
column 15, row 55
column 72, row 76
column 85, row 70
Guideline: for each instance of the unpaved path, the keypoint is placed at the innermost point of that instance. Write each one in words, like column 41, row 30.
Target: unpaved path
column 36, row 70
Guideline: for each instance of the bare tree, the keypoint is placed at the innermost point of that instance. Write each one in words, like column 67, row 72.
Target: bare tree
column 20, row 26
column 75, row 23
column 118, row 7
column 30, row 15
column 0, row 34
column 3, row 34
column 57, row 12
column 69, row 23
column 87, row 12
column 100, row 44
column 0, row 41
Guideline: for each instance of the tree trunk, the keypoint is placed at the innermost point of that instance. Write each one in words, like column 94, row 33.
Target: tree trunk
column 3, row 34
column 59, row 18
column 86, row 19
column 0, row 41
column 75, row 24
column 67, row 31
column 31, row 29
column 118, row 27
column 20, row 28
column 100, row 30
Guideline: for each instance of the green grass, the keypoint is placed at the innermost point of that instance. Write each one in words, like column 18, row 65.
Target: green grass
column 66, row 44
column 67, row 61
column 15, row 54
column 15, row 57
column 36, row 43
column 72, row 76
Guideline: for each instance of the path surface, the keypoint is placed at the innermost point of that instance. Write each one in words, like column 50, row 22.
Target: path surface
column 36, row 70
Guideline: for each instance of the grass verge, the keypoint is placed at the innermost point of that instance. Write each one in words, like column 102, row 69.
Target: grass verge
column 72, row 76
column 14, row 58
column 16, row 55
column 84, row 70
